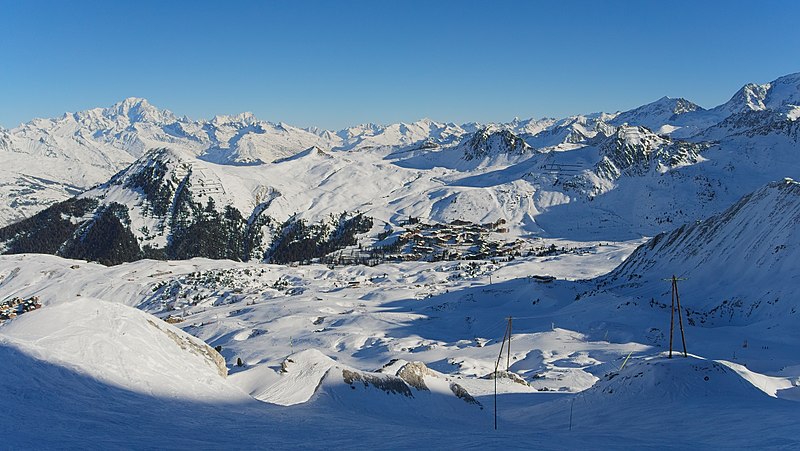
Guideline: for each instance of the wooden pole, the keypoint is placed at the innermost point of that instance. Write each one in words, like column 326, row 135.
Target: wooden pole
column 672, row 317
column 680, row 315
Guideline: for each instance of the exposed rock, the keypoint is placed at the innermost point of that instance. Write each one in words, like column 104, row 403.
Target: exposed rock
column 462, row 393
column 502, row 374
column 486, row 142
column 414, row 374
column 389, row 384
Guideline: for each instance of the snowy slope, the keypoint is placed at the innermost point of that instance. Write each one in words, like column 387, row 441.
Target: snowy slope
column 756, row 240
column 658, row 400
column 123, row 347
column 297, row 338
column 312, row 338
column 411, row 393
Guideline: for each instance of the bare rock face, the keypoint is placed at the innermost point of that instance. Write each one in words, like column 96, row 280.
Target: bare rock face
column 501, row 374
column 414, row 374
column 462, row 393
column 389, row 384
column 486, row 142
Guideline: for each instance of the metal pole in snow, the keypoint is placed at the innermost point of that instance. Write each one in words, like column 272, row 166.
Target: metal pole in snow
column 680, row 315
column 675, row 297
column 496, row 366
column 508, row 357
column 672, row 317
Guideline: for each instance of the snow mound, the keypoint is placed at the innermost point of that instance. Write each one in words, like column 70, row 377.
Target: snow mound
column 680, row 379
column 657, row 395
column 399, row 388
column 301, row 374
column 121, row 346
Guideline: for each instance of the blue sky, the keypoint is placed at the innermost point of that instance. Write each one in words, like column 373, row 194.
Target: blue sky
column 338, row 63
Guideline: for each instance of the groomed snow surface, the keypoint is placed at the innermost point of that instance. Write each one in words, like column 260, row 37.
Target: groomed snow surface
column 393, row 356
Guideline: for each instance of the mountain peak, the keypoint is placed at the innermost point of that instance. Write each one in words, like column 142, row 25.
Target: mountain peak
column 137, row 109
column 749, row 98
column 244, row 117
column 780, row 94
column 132, row 102
column 783, row 92
column 657, row 113
column 490, row 141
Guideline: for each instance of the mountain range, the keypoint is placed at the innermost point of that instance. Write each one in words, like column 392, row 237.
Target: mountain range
column 133, row 181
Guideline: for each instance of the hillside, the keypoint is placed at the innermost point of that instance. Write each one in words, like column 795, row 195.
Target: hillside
column 732, row 260
column 351, row 348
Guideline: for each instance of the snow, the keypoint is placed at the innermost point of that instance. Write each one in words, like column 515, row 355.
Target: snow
column 419, row 169
column 655, row 114
column 122, row 347
column 753, row 240
column 394, row 355
column 301, row 347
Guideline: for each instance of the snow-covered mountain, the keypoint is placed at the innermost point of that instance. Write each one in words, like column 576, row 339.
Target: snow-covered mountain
column 580, row 178
column 486, row 143
column 79, row 150
column 373, row 135
column 572, row 132
column 634, row 152
column 656, row 114
column 243, row 139
column 733, row 260
column 779, row 96
column 171, row 205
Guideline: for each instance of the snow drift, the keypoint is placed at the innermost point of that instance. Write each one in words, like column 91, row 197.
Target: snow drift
column 400, row 389
column 122, row 347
